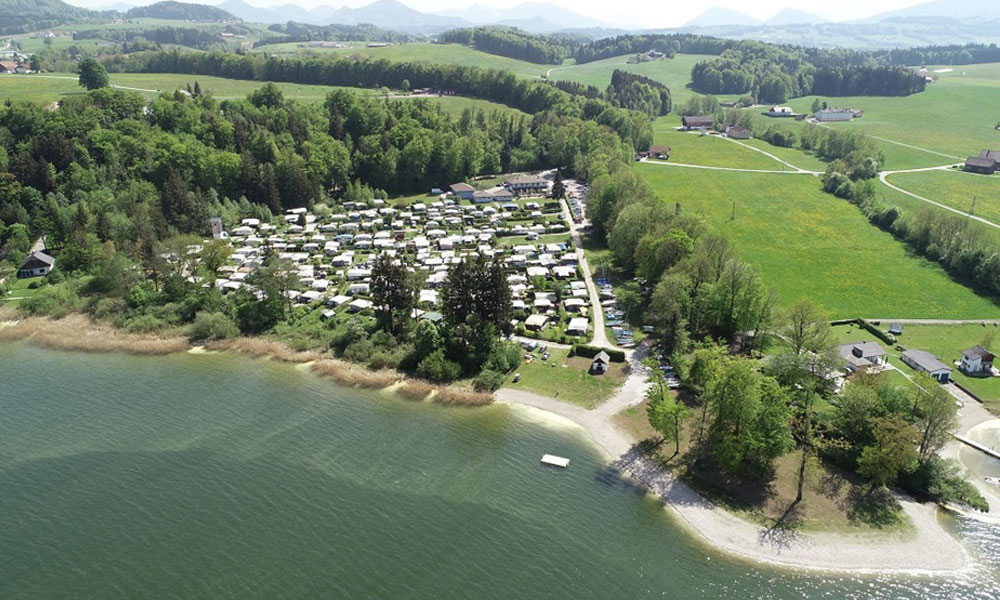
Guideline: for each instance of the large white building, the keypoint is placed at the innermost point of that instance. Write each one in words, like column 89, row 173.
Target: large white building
column 834, row 114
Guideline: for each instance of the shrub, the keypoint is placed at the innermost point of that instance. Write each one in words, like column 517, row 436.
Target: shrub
column 487, row 381
column 212, row 326
column 885, row 336
column 107, row 308
column 592, row 351
column 144, row 324
column 359, row 351
column 53, row 301
column 437, row 368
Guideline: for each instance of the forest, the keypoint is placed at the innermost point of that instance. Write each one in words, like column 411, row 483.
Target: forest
column 303, row 32
column 510, row 42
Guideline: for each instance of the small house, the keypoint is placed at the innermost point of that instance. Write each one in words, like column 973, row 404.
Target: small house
column 781, row 111
column 976, row 361
column 577, row 326
column 927, row 363
column 737, row 133
column 482, row 197
column 36, row 265
column 599, row 366
column 7, row 66
column 661, row 152
column 695, row 122
column 862, row 355
column 535, row 322
column 463, row 190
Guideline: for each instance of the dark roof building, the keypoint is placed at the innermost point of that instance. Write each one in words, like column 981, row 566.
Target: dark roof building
column 659, row 151
column 927, row 363
column 36, row 265
column 738, row 133
column 991, row 154
column 977, row 164
column 698, row 122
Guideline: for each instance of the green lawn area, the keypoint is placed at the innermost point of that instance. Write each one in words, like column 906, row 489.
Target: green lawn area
column 709, row 150
column 675, row 73
column 954, row 116
column 569, row 383
column 794, row 156
column 956, row 189
column 808, row 244
column 51, row 87
column 20, row 291
column 454, row 54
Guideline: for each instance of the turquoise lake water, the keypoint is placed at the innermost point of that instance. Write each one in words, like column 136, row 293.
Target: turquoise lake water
column 218, row 476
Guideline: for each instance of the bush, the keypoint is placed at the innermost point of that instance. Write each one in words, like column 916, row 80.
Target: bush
column 144, row 324
column 53, row 301
column 107, row 308
column 212, row 326
column 885, row 336
column 437, row 368
column 360, row 351
column 941, row 479
column 487, row 381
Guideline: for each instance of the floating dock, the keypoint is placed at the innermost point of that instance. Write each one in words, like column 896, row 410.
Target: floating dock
column 555, row 461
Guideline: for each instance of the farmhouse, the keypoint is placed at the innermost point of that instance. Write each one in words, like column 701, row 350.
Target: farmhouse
column 992, row 154
column 463, row 190
column 976, row 361
column 662, row 152
column 781, row 111
column 738, row 133
column 8, row 66
column 697, row 122
column 835, row 114
column 861, row 355
column 984, row 166
column 927, row 363
column 36, row 265
column 531, row 184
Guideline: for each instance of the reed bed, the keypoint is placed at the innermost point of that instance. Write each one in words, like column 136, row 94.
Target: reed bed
column 79, row 333
column 346, row 374
column 452, row 397
column 262, row 348
column 415, row 389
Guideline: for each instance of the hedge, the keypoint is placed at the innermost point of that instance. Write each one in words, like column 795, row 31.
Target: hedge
column 592, row 351
column 885, row 336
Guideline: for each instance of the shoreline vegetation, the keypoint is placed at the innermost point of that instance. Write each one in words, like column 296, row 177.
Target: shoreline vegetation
column 708, row 522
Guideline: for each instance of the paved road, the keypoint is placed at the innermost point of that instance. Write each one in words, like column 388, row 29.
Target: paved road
column 733, row 169
column 771, row 156
column 883, row 175
column 600, row 337
column 990, row 321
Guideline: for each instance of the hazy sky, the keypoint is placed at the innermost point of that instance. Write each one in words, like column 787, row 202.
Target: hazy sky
column 667, row 13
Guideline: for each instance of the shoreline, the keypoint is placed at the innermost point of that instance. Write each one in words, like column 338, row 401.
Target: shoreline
column 708, row 523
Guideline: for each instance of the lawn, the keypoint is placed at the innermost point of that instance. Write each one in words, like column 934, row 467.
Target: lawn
column 956, row 189
column 53, row 86
column 452, row 54
column 567, row 379
column 955, row 116
column 675, row 73
column 455, row 105
column 20, row 291
column 808, row 244
column 709, row 150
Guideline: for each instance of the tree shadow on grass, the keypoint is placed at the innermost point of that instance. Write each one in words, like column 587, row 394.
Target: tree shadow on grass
column 876, row 508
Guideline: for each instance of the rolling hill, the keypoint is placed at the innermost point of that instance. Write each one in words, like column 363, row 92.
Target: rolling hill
column 180, row 11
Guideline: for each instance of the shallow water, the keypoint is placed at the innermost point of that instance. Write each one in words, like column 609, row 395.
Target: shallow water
column 218, row 476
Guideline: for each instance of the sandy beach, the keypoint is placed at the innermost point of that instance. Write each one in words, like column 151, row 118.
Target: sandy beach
column 725, row 531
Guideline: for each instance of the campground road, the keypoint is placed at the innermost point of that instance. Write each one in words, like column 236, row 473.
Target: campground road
column 600, row 337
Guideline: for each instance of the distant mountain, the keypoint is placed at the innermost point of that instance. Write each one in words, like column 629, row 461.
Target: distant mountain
column 182, row 11
column 535, row 17
column 951, row 9
column 790, row 16
column 716, row 16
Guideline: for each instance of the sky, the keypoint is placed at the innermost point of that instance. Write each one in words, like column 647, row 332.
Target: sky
column 668, row 13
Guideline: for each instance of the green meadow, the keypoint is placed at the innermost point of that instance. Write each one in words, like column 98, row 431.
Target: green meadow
column 808, row 244
column 955, row 116
column 451, row 54
column 675, row 73
column 709, row 150
column 956, row 189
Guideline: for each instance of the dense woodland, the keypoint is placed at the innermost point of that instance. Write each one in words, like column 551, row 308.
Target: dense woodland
column 510, row 42
column 179, row 11
column 303, row 32
column 132, row 39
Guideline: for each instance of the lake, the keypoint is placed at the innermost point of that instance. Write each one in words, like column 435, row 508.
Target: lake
column 219, row 476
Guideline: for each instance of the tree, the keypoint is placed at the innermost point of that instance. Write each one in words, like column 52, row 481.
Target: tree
column 392, row 294
column 892, row 453
column 93, row 75
column 937, row 411
column 817, row 105
column 665, row 413
column 213, row 256
column 558, row 187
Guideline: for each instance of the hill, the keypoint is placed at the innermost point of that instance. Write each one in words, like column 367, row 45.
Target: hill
column 950, row 9
column 180, row 11
column 716, row 16
column 28, row 15
column 790, row 16
column 390, row 14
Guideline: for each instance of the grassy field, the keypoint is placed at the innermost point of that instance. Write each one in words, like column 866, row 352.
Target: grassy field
column 709, row 150
column 51, row 87
column 567, row 379
column 675, row 73
column 20, row 291
column 808, row 244
column 955, row 116
column 956, row 189
column 453, row 54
